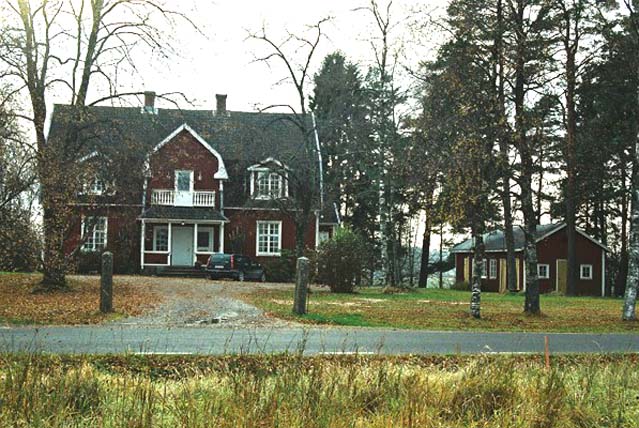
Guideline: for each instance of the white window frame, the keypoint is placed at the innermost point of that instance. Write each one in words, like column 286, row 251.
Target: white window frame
column 539, row 275
column 155, row 232
column 92, row 188
column 492, row 272
column 271, row 178
column 268, row 253
column 90, row 245
column 581, row 271
column 209, row 248
column 484, row 273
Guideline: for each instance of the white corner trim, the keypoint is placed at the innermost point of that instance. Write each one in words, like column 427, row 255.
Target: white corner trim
column 221, row 173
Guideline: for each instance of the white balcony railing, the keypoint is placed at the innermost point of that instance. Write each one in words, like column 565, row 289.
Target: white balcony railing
column 203, row 199
column 194, row 199
column 162, row 197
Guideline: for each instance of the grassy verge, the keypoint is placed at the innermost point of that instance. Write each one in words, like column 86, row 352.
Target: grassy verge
column 78, row 305
column 290, row 391
column 448, row 310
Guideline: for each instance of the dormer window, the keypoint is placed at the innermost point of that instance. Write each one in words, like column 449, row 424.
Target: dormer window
column 95, row 187
column 268, row 180
column 269, row 185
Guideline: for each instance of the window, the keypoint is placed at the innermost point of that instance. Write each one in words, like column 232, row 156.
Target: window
column 205, row 239
column 95, row 187
column 543, row 271
column 94, row 233
column 161, row 238
column 324, row 236
column 269, row 185
column 586, row 271
column 183, row 181
column 269, row 238
column 493, row 269
column 484, row 269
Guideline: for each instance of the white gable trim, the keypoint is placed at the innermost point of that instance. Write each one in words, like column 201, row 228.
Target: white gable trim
column 89, row 156
column 263, row 166
column 221, row 173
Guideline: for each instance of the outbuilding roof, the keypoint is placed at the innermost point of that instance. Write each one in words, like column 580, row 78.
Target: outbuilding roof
column 495, row 241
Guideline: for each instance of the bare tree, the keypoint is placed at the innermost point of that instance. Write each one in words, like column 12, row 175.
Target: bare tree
column 70, row 47
column 301, row 169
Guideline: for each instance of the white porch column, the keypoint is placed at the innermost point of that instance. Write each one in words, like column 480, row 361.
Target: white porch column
column 142, row 240
column 168, row 256
column 195, row 243
column 221, row 238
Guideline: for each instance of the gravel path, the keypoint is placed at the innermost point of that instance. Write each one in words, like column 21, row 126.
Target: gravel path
column 188, row 301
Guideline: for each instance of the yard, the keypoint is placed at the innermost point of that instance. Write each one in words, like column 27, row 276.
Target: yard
column 78, row 305
column 436, row 309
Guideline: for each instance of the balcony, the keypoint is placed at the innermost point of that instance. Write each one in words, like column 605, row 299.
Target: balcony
column 183, row 199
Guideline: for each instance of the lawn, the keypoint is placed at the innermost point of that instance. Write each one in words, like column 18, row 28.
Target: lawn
column 319, row 392
column 78, row 305
column 436, row 309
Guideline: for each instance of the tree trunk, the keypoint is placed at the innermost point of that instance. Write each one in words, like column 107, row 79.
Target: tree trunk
column 630, row 298
column 622, row 274
column 571, row 166
column 478, row 270
column 503, row 153
column 423, row 269
column 441, row 250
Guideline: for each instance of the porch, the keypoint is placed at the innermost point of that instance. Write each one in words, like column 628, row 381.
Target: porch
column 184, row 237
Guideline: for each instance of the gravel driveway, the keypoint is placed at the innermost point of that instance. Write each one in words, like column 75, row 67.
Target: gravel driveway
column 189, row 301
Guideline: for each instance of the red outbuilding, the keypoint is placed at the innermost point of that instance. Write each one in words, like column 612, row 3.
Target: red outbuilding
column 552, row 261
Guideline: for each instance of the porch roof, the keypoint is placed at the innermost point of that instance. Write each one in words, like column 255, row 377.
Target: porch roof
column 159, row 212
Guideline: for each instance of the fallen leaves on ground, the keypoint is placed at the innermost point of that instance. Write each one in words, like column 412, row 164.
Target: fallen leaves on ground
column 78, row 305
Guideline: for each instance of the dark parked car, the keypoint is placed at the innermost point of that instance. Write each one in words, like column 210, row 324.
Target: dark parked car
column 235, row 266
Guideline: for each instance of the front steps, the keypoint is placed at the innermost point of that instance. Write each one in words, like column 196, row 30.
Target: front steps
column 183, row 272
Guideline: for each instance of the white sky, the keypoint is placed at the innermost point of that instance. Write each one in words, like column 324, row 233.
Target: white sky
column 222, row 59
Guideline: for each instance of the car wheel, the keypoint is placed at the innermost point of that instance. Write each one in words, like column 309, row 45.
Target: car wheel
column 240, row 276
column 211, row 277
column 263, row 277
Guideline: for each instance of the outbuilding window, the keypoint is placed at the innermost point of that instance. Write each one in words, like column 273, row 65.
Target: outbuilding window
column 492, row 274
column 269, row 238
column 585, row 272
column 484, row 269
column 543, row 271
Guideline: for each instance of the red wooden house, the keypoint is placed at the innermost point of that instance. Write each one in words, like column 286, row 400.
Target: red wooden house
column 552, row 266
column 186, row 184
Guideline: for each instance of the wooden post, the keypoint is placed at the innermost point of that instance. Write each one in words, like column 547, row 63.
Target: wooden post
column 301, row 286
column 106, row 283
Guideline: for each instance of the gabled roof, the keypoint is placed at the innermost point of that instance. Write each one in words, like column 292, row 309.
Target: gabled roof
column 248, row 137
column 496, row 242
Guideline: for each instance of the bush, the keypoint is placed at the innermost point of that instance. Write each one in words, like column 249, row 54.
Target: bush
column 341, row 261
column 21, row 245
column 280, row 269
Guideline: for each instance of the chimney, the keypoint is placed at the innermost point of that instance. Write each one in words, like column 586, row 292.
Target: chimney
column 220, row 108
column 149, row 101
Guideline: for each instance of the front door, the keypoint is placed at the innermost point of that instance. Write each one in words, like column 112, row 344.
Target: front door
column 503, row 272
column 182, row 246
column 184, row 188
column 562, row 275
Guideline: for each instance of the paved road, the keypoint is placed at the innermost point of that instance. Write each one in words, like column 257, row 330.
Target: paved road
column 219, row 340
